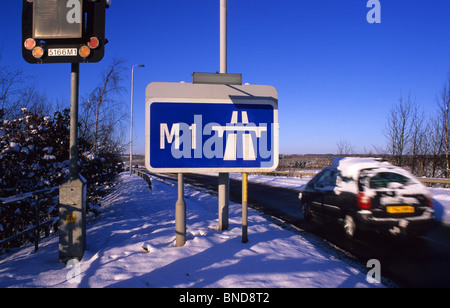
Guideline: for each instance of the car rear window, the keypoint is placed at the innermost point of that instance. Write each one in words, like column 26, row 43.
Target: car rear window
column 383, row 179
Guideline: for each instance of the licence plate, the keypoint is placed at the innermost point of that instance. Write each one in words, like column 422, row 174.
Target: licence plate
column 400, row 209
column 62, row 52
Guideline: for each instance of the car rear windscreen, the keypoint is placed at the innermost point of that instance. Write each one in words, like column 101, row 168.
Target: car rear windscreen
column 383, row 179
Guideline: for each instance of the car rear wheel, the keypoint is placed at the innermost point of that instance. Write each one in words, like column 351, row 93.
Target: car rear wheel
column 349, row 226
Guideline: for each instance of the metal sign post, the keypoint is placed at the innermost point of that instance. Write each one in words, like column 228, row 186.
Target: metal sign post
column 223, row 35
column 72, row 194
column 74, row 90
column 223, row 191
column 244, row 208
column 180, row 214
column 224, row 178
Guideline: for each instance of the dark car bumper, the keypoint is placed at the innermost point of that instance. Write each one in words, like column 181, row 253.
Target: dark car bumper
column 418, row 224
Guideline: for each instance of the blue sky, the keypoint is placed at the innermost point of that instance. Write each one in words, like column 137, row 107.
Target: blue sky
column 337, row 75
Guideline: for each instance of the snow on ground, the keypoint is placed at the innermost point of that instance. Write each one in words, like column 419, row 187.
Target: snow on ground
column 441, row 201
column 131, row 244
column 277, row 181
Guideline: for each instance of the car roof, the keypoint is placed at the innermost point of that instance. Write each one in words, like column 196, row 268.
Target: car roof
column 351, row 166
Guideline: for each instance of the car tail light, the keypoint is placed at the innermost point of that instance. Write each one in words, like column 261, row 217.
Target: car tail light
column 430, row 201
column 364, row 202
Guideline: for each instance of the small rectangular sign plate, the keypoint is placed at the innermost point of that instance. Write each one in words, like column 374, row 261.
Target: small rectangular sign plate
column 62, row 52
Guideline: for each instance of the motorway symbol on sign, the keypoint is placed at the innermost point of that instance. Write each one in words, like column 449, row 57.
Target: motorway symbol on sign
column 235, row 133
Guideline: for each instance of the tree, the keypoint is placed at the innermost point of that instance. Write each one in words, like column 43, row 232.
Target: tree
column 102, row 114
column 436, row 143
column 10, row 85
column 345, row 148
column 416, row 146
column 34, row 101
column 15, row 95
column 398, row 129
column 444, row 108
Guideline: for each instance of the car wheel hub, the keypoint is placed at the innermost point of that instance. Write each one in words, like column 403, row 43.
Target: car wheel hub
column 349, row 226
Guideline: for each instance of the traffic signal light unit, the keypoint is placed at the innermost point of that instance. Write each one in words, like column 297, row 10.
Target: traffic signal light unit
column 63, row 31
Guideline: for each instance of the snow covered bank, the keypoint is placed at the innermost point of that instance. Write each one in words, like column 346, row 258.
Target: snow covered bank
column 441, row 201
column 131, row 244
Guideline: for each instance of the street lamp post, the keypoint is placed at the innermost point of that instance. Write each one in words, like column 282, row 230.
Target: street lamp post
column 131, row 122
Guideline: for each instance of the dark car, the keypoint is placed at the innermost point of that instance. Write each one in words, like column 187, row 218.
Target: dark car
column 369, row 194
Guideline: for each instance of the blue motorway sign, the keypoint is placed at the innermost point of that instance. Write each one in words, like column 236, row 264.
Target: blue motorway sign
column 237, row 134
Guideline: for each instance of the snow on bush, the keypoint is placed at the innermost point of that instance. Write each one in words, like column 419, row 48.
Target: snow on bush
column 34, row 155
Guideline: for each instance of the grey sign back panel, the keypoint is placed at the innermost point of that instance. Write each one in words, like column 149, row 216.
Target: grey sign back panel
column 50, row 19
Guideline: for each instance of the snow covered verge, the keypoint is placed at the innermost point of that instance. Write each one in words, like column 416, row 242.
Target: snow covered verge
column 131, row 244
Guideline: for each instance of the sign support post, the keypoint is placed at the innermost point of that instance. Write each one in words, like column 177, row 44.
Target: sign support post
column 223, row 35
column 74, row 95
column 224, row 178
column 72, row 194
column 180, row 214
column 224, row 191
column 244, row 208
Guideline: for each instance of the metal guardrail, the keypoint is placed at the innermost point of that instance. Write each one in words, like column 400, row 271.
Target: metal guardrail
column 37, row 195
column 144, row 176
column 289, row 173
column 311, row 174
column 434, row 181
column 38, row 225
